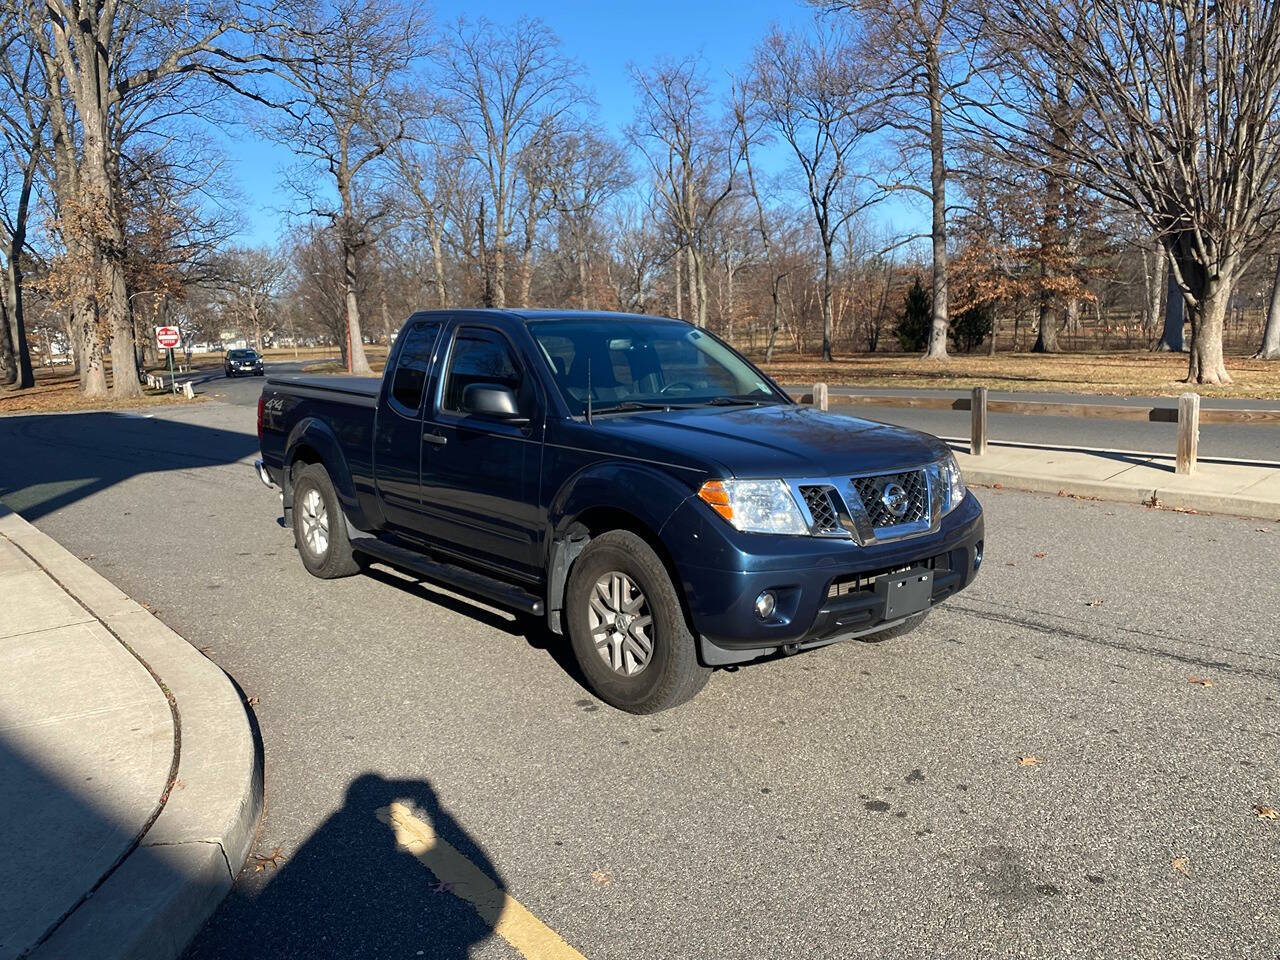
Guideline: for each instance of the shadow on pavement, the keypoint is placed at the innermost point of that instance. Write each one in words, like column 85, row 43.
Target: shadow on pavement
column 50, row 461
column 534, row 629
column 59, row 840
column 350, row 891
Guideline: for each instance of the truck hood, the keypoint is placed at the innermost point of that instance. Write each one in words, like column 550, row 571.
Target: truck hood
column 774, row 441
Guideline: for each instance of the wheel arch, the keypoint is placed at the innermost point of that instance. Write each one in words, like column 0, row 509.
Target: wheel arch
column 592, row 503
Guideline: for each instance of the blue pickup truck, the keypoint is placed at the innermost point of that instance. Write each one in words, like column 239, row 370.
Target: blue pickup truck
column 631, row 479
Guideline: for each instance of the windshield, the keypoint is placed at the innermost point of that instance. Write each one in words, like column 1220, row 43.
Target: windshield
column 641, row 363
column 242, row 355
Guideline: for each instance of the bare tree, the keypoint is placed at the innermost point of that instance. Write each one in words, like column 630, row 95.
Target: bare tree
column 1180, row 121
column 350, row 67
column 811, row 96
column 590, row 171
column 252, row 278
column 924, row 49
column 503, row 87
column 693, row 162
column 95, row 59
column 23, row 120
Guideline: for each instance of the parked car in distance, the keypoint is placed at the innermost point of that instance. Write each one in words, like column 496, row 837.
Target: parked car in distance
column 631, row 479
column 242, row 361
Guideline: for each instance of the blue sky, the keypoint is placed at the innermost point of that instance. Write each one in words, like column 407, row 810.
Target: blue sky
column 604, row 38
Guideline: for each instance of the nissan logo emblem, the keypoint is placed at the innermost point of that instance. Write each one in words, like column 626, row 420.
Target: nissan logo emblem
column 895, row 499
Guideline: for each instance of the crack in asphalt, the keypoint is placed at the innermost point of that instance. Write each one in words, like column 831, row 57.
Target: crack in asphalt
column 1058, row 626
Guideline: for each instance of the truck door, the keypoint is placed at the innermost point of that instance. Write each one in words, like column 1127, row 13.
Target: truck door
column 397, row 445
column 480, row 473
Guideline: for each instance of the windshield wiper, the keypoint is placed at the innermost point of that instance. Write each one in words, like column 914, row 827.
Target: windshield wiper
column 737, row 401
column 630, row 406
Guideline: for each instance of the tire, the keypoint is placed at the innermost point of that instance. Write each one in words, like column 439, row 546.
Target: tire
column 627, row 565
column 899, row 630
column 319, row 527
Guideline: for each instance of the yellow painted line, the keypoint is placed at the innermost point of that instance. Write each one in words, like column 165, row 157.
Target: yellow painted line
column 505, row 914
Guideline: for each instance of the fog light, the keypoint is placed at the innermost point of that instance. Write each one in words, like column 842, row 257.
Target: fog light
column 977, row 555
column 765, row 604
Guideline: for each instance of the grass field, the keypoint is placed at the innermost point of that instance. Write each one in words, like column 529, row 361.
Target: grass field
column 1111, row 374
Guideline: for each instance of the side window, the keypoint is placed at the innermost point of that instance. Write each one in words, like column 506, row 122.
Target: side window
column 412, row 364
column 481, row 356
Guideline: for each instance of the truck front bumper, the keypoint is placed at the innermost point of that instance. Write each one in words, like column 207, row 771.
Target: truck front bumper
column 824, row 589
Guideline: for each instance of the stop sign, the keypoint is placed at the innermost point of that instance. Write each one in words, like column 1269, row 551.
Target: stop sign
column 167, row 337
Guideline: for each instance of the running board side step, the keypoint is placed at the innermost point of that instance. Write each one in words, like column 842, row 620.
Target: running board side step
column 468, row 581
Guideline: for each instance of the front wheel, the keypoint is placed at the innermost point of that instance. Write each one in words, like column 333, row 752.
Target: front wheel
column 627, row 627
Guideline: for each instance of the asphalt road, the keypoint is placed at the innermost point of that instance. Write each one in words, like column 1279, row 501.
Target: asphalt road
column 1245, row 442
column 866, row 800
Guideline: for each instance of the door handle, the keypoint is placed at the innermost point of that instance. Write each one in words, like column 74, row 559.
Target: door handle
column 435, row 438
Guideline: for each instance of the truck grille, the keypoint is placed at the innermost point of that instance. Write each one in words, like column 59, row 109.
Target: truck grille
column 823, row 511
column 906, row 500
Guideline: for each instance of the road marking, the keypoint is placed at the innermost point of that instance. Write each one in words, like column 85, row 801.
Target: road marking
column 505, row 914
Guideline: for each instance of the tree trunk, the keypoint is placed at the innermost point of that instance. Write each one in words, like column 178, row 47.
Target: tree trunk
column 93, row 373
column 582, row 277
column 691, row 265
column 938, row 189
column 826, row 300
column 1047, row 335
column 499, row 290
column 773, row 321
column 8, row 369
column 437, row 257
column 1270, row 349
column 19, row 353
column 526, row 262
column 15, row 332
column 356, row 361
column 679, row 285
column 1171, row 339
column 1205, row 363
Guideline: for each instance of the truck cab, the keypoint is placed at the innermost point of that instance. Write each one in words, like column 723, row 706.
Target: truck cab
column 632, row 480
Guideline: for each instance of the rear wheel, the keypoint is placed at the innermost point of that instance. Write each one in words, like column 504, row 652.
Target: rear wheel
column 319, row 528
column 627, row 627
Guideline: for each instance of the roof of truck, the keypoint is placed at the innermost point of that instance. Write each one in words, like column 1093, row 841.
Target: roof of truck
column 525, row 314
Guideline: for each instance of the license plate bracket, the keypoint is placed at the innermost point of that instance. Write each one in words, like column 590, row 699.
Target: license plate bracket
column 906, row 592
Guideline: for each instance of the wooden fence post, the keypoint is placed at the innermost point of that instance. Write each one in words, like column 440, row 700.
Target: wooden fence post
column 978, row 419
column 1188, row 432
column 820, row 396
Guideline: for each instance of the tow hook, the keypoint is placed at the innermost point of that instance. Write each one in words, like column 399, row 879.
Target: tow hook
column 789, row 648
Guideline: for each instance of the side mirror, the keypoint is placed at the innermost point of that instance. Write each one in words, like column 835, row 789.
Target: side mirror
column 493, row 401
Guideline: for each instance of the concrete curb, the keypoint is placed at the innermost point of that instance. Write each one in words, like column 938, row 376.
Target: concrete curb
column 1173, row 499
column 156, row 900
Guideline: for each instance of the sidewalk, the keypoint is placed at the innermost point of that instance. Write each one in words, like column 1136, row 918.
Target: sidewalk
column 1238, row 489
column 130, row 784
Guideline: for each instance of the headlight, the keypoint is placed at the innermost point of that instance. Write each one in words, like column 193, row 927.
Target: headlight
column 755, row 506
column 953, row 483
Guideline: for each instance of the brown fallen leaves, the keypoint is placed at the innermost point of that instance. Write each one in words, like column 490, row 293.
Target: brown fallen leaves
column 1039, row 556
column 601, row 878
column 1200, row 681
column 1031, row 760
column 1182, row 865
column 1094, row 603
column 1266, row 813
column 272, row 860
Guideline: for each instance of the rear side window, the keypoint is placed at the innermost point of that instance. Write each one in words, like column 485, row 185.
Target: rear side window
column 412, row 364
column 480, row 356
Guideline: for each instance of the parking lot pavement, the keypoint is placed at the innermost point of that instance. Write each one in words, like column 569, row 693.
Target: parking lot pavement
column 1065, row 760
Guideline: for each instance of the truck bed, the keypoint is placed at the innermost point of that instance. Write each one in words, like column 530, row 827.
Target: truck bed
column 363, row 387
